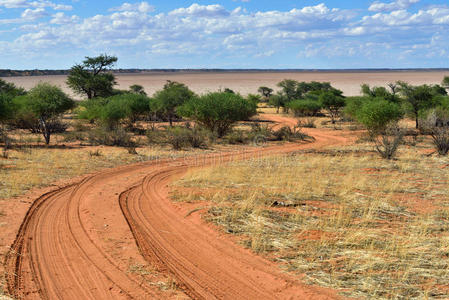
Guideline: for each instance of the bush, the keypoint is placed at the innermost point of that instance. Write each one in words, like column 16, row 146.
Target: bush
column 181, row 137
column 308, row 123
column 305, row 107
column 436, row 125
column 289, row 134
column 105, row 136
column 332, row 103
column 236, row 137
column 387, row 142
column 376, row 115
column 74, row 136
column 44, row 103
column 218, row 112
column 113, row 110
column 353, row 106
column 5, row 108
column 10, row 90
column 167, row 101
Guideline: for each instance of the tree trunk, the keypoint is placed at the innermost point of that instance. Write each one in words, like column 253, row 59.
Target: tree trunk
column 45, row 131
column 417, row 121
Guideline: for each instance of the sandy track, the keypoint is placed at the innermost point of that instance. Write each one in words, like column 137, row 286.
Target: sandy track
column 59, row 254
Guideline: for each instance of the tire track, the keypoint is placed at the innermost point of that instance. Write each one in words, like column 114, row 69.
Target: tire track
column 58, row 254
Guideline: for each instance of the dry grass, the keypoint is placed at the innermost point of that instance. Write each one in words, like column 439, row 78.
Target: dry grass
column 39, row 167
column 347, row 220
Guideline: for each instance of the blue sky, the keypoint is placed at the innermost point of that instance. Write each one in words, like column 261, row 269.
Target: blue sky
column 226, row 34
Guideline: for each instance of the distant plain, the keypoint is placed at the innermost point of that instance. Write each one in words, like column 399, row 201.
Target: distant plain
column 249, row 82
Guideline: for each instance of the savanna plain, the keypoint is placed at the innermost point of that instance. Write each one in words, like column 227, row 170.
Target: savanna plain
column 226, row 185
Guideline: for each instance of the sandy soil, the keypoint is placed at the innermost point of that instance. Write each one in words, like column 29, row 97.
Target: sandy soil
column 348, row 82
column 75, row 241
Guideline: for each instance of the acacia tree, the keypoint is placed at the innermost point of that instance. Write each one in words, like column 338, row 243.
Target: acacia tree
column 278, row 101
column 166, row 101
column 418, row 98
column 91, row 77
column 266, row 92
column 137, row 89
column 332, row 103
column 289, row 88
column 46, row 102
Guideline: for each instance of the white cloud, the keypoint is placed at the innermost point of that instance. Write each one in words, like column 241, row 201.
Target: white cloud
column 395, row 5
column 201, row 11
column 203, row 30
column 61, row 18
column 142, row 7
column 33, row 4
column 33, row 14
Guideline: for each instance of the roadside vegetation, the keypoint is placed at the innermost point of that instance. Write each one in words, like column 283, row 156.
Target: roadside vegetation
column 346, row 218
column 368, row 219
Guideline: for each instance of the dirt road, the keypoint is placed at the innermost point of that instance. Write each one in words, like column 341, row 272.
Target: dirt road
column 76, row 242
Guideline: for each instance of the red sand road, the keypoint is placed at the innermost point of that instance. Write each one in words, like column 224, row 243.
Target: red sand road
column 61, row 250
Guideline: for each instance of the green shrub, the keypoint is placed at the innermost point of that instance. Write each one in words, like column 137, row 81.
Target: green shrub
column 353, row 106
column 5, row 105
column 218, row 112
column 10, row 90
column 305, row 107
column 332, row 103
column 44, row 104
column 376, row 115
column 166, row 102
column 113, row 110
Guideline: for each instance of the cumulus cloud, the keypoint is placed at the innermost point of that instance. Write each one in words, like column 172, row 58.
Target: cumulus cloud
column 34, row 4
column 202, row 30
column 143, row 7
column 395, row 5
column 61, row 18
column 34, row 14
column 201, row 11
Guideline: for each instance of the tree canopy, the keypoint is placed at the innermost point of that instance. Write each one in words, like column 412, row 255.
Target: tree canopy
column 172, row 96
column 91, row 77
column 332, row 103
column 266, row 92
column 45, row 102
column 218, row 111
column 417, row 99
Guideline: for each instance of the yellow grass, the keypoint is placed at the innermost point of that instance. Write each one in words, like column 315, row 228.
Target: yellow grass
column 29, row 168
column 372, row 228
